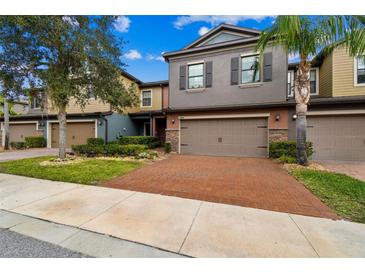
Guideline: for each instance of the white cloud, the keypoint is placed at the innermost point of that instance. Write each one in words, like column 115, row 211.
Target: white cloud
column 122, row 23
column 214, row 20
column 72, row 21
column 133, row 54
column 293, row 57
column 151, row 57
column 203, row 30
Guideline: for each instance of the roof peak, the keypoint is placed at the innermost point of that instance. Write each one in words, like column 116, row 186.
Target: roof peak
column 233, row 29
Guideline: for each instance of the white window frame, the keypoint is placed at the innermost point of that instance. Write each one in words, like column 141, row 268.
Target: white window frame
column 292, row 83
column 356, row 84
column 317, row 81
column 191, row 64
column 145, row 90
column 34, row 98
column 240, row 69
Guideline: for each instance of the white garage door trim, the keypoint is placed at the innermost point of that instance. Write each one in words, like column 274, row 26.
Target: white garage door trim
column 229, row 116
column 49, row 141
column 336, row 112
column 14, row 123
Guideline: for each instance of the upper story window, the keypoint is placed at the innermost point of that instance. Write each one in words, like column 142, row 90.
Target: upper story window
column 36, row 101
column 90, row 92
column 290, row 83
column 360, row 70
column 196, row 76
column 146, row 98
column 313, row 79
column 250, row 69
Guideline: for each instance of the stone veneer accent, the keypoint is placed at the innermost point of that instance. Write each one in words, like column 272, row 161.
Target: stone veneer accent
column 172, row 136
column 278, row 135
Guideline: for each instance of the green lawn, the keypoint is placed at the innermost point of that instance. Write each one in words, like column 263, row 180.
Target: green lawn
column 344, row 194
column 90, row 171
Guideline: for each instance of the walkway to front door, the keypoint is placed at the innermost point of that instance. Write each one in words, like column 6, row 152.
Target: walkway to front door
column 250, row 182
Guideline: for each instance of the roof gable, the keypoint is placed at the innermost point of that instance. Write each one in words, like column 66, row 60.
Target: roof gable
column 223, row 33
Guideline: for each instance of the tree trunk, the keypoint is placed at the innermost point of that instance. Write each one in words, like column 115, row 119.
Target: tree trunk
column 302, row 95
column 6, row 124
column 62, row 133
column 301, row 126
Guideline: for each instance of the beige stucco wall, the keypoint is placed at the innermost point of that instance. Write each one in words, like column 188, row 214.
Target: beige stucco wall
column 92, row 105
column 343, row 74
column 156, row 100
column 325, row 77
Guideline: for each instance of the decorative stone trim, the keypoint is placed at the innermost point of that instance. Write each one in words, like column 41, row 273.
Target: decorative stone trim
column 172, row 136
column 278, row 135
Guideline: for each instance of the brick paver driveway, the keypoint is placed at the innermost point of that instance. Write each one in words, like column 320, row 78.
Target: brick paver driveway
column 250, row 182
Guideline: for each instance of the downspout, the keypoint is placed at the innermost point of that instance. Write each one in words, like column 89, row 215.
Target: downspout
column 106, row 128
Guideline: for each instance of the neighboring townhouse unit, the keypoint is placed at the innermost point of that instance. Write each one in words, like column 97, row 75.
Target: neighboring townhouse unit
column 223, row 99
column 336, row 115
column 96, row 119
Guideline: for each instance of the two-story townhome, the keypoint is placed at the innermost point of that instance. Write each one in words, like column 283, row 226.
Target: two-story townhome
column 336, row 114
column 223, row 98
column 96, row 119
column 226, row 100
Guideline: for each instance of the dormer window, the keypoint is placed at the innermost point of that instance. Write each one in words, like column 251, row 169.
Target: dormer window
column 196, row 76
column 36, row 101
column 360, row 70
column 250, row 69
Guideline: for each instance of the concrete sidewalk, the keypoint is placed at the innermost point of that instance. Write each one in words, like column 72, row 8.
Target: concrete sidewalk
column 29, row 153
column 188, row 227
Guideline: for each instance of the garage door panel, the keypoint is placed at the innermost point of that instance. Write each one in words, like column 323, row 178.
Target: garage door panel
column 224, row 137
column 77, row 133
column 18, row 132
column 337, row 137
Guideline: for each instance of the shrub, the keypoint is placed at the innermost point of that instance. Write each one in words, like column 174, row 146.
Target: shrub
column 149, row 141
column 35, row 141
column 18, row 145
column 108, row 150
column 287, row 148
column 95, row 141
column 287, row 159
column 132, row 150
column 167, row 147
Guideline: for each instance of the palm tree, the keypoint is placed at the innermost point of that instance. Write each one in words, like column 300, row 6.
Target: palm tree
column 306, row 36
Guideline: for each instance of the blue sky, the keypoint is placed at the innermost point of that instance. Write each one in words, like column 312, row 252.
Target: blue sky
column 148, row 36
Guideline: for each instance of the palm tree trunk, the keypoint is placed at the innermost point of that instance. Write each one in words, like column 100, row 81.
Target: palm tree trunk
column 62, row 133
column 301, row 126
column 6, row 124
column 302, row 95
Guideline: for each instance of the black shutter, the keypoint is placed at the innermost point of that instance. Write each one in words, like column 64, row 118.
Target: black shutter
column 209, row 74
column 268, row 66
column 182, row 79
column 234, row 70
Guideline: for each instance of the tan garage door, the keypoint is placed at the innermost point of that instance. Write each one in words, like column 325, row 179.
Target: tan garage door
column 224, row 137
column 337, row 137
column 77, row 133
column 17, row 132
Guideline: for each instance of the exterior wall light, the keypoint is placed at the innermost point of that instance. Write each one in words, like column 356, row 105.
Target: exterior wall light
column 277, row 117
column 100, row 123
column 295, row 116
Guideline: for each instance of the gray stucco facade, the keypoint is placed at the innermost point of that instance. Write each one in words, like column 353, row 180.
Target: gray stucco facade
column 118, row 125
column 222, row 93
